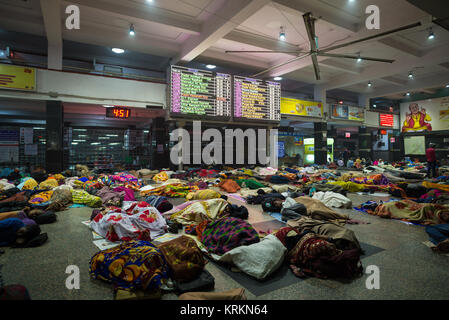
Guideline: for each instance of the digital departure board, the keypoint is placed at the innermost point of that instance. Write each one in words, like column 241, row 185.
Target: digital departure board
column 200, row 92
column 257, row 99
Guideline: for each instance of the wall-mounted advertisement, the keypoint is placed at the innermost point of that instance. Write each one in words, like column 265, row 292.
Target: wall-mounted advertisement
column 343, row 112
column 301, row 108
column 425, row 115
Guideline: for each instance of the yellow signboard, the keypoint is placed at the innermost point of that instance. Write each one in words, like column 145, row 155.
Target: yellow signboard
column 19, row 78
column 301, row 108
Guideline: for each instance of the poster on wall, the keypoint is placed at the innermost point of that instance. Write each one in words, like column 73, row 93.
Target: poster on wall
column 17, row 77
column 356, row 113
column 301, row 107
column 425, row 115
column 344, row 112
column 414, row 145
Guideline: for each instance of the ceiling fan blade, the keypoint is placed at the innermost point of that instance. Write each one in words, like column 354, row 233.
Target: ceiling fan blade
column 309, row 23
column 261, row 51
column 281, row 64
column 354, row 57
column 410, row 26
column 316, row 67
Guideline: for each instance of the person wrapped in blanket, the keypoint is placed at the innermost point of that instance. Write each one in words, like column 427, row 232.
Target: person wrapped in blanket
column 423, row 213
column 136, row 221
column 133, row 265
column 439, row 236
column 311, row 254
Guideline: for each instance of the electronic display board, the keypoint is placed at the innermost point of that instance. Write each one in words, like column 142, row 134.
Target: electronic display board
column 257, row 99
column 200, row 92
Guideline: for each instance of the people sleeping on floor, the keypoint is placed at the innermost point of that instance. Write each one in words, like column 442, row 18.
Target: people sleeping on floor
column 423, row 213
column 439, row 236
column 15, row 233
column 302, row 206
column 311, row 254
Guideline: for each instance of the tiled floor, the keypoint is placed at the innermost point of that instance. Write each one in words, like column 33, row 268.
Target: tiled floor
column 408, row 268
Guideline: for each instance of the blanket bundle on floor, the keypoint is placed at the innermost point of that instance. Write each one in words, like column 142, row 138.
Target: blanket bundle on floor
column 130, row 266
column 332, row 199
column 228, row 233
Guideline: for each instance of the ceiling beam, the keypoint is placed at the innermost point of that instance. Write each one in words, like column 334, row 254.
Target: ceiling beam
column 381, row 70
column 402, row 47
column 244, row 61
column 51, row 13
column 395, row 81
column 335, row 65
column 418, row 85
column 144, row 13
column 259, row 41
column 228, row 17
column 329, row 14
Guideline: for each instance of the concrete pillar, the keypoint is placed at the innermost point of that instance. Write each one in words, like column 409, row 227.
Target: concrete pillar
column 320, row 147
column 54, row 156
column 365, row 143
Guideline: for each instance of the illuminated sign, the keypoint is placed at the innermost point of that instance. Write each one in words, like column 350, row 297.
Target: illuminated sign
column 200, row 92
column 19, row 78
column 348, row 134
column 118, row 113
column 257, row 99
column 386, row 120
column 301, row 108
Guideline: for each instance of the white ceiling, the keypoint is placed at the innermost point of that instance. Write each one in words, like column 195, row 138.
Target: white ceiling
column 204, row 29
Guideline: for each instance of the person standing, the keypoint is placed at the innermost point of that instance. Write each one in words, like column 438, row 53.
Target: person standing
column 431, row 160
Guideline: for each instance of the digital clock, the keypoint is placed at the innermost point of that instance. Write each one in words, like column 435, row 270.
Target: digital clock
column 118, row 113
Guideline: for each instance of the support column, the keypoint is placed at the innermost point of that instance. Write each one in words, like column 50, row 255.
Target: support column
column 320, row 147
column 320, row 129
column 160, row 156
column 365, row 143
column 363, row 101
column 54, row 155
column 180, row 125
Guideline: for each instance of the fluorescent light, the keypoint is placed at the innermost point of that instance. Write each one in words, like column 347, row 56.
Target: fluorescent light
column 277, row 78
column 447, row 86
column 211, row 66
column 150, row 1
column 107, row 106
column 95, row 143
column 75, row 143
column 374, row 105
column 118, row 50
column 407, row 94
column 112, row 135
column 79, row 129
column 80, row 140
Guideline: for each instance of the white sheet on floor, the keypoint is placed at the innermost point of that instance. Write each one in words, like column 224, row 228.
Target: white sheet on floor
column 258, row 260
column 332, row 199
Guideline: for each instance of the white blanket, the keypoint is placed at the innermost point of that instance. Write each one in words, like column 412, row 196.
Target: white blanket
column 333, row 199
column 258, row 260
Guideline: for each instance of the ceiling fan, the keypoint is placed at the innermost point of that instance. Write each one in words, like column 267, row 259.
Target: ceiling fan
column 314, row 52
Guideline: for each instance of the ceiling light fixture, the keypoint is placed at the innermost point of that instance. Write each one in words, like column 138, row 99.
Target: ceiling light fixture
column 369, row 84
column 407, row 94
column 447, row 86
column 118, row 50
column 410, row 75
column 282, row 36
column 277, row 78
column 211, row 66
column 359, row 59
column 132, row 32
column 431, row 34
